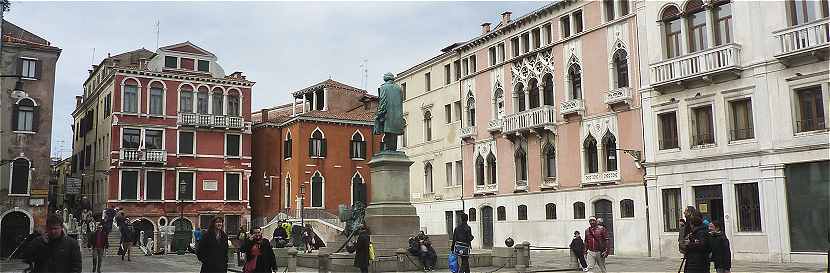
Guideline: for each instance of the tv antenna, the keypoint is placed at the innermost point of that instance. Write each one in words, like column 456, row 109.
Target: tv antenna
column 158, row 29
column 364, row 73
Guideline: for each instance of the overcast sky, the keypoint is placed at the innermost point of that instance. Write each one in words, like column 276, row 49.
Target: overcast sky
column 282, row 46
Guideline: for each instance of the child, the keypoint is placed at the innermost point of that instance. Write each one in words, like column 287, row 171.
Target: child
column 578, row 249
column 721, row 254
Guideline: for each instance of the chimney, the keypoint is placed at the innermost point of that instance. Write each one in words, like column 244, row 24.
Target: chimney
column 78, row 101
column 142, row 63
column 485, row 28
column 505, row 17
column 264, row 114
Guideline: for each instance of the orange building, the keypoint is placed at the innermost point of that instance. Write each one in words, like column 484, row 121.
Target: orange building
column 314, row 150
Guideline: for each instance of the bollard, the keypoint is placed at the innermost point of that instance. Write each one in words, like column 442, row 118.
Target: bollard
column 521, row 258
column 574, row 262
column 323, row 262
column 400, row 254
column 527, row 253
column 292, row 260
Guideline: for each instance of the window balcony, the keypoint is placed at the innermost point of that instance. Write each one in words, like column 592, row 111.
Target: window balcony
column 486, row 189
column 573, row 106
column 495, row 125
column 618, row 95
column 550, row 183
column 807, row 125
column 467, row 132
column 235, row 123
column 136, row 155
column 521, row 186
column 703, row 140
column 207, row 120
column 701, row 66
column 803, row 42
column 601, row 178
column 543, row 117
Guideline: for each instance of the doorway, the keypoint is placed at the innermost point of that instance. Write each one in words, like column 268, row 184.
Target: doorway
column 487, row 227
column 709, row 201
column 603, row 211
column 14, row 229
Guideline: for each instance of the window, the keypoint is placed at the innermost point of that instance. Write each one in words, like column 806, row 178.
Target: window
column 428, row 126
column 498, row 102
column 492, row 54
column 171, row 62
column 723, row 23
column 550, row 211
column 403, row 91
column 448, row 173
column 473, row 68
column 579, row 210
column 447, row 74
column 459, row 173
column 233, row 105
column 514, row 46
column 520, row 97
column 465, row 67
column 457, row 65
column 153, row 139
column 703, row 128
column 533, row 93
column 25, row 115
column 131, row 138
column 448, row 113
column 547, row 30
column 547, row 89
column 108, row 105
column 471, row 110
column 565, row 23
column 522, row 212
column 671, row 28
column 627, row 208
column 624, row 7
column 155, row 184
column 233, row 145
column 479, row 171
column 427, row 85
column 491, row 169
column 20, row 176
column 696, row 20
column 668, row 130
column 501, row 52
column 317, row 188
column 457, row 106
column 609, row 144
column 202, row 100
column 471, row 215
column 29, row 68
column 521, row 164
column 621, row 68
column 537, row 39
column 575, row 80
column 233, row 187
column 232, row 223
column 501, row 213
column 609, row 10
column 187, row 142
column 130, row 99
column 805, row 11
column 811, row 109
column 749, row 207
column 286, row 146
column 317, row 144
column 204, row 66
column 358, row 146
column 156, row 99
column 217, row 102
column 526, row 42
column 590, row 150
column 741, row 119
column 671, row 209
column 428, row 178
column 186, row 99
column 129, row 185
column 578, row 27
column 550, row 161
column 319, row 101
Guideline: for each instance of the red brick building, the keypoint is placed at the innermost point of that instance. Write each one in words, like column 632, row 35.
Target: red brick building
column 166, row 136
column 321, row 142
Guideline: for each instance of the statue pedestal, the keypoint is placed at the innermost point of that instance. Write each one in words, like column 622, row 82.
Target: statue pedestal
column 390, row 215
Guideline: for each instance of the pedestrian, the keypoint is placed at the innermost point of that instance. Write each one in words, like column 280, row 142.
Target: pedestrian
column 259, row 255
column 241, row 237
column 361, row 256
column 578, row 249
column 97, row 241
column 697, row 246
column 127, row 238
column 108, row 216
column 53, row 251
column 280, row 236
column 721, row 253
column 462, row 236
column 596, row 245
column 213, row 249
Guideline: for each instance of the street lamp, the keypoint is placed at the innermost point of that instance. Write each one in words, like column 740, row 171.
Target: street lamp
column 302, row 204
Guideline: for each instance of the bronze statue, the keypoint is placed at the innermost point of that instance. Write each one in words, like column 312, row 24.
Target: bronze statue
column 389, row 116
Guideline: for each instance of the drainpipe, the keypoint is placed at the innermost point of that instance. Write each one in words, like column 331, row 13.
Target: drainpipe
column 645, row 169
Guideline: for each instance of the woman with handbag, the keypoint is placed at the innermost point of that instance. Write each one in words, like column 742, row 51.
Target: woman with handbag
column 259, row 256
column 361, row 257
column 461, row 238
column 213, row 249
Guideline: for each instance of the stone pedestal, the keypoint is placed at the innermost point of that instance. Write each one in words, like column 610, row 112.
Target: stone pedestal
column 390, row 215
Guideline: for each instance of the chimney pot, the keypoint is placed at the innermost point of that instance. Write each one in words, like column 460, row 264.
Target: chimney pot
column 264, row 114
column 485, row 28
column 78, row 101
column 505, row 17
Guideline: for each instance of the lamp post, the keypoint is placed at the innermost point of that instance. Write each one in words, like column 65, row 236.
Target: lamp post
column 302, row 204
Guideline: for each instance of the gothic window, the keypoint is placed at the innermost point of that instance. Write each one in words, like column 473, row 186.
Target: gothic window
column 428, row 177
column 471, row 110
column 286, row 146
column 491, row 168
column 533, row 93
column 521, row 164
column 358, row 146
column 520, row 97
column 498, row 102
column 621, row 68
column 480, row 170
column 428, row 125
column 547, row 89
column 609, row 144
column 20, row 176
column 549, row 161
column 317, row 190
column 590, row 150
column 317, row 144
column 575, row 79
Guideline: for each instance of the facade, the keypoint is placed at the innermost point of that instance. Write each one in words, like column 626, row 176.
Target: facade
column 314, row 151
column 26, row 123
column 432, row 110
column 735, row 111
column 165, row 136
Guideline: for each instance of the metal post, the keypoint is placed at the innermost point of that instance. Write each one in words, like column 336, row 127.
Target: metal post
column 302, row 205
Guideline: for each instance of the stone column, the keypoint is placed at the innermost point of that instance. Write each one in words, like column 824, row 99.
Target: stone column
column 292, row 260
column 390, row 216
column 323, row 263
column 521, row 258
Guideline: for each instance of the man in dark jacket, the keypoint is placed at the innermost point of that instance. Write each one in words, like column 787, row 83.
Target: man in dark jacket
column 578, row 249
column 54, row 251
column 280, row 236
column 462, row 235
column 361, row 256
column 721, row 254
column 698, row 246
column 99, row 243
column 259, row 255
column 213, row 249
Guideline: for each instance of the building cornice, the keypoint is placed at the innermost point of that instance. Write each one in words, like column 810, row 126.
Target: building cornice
column 724, row 156
column 191, row 78
column 270, row 124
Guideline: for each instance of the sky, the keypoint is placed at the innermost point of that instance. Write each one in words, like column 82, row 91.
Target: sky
column 282, row 46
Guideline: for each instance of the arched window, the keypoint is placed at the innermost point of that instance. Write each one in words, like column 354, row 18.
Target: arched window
column 549, row 161
column 471, row 110
column 428, row 177
column 317, row 144
column 20, row 176
column 547, row 89
column 130, row 100
column 202, row 98
column 579, row 210
column 627, row 208
column 520, row 97
column 286, row 146
column 491, row 169
column 522, row 212
column 479, row 170
column 498, row 102
column 358, row 146
column 575, row 79
column 696, row 20
column 671, row 30
column 609, row 144
column 233, row 104
column 156, row 98
column 501, row 214
column 521, row 164
column 533, row 93
column 358, row 189
column 805, row 11
column 550, row 211
column 217, row 101
column 428, row 126
column 621, row 68
column 317, row 190
column 471, row 215
column 590, row 150
column 723, row 20
column 185, row 99
column 25, row 115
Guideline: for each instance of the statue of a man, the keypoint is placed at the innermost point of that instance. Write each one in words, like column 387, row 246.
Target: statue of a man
column 389, row 117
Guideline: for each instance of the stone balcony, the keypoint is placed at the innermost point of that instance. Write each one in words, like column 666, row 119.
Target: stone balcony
column 601, row 178
column 550, row 183
column 542, row 117
column 805, row 42
column 495, row 125
column 467, row 132
column 521, row 186
column 618, row 95
column 136, row 155
column 699, row 67
column 572, row 106
column 486, row 189
column 207, row 120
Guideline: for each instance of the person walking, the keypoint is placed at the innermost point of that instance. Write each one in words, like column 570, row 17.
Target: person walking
column 696, row 243
column 127, row 237
column 53, row 251
column 578, row 249
column 213, row 249
column 361, row 256
column 596, row 245
column 721, row 253
column 259, row 256
column 108, row 216
column 97, row 241
column 462, row 235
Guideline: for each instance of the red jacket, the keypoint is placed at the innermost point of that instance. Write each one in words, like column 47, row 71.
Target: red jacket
column 596, row 239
